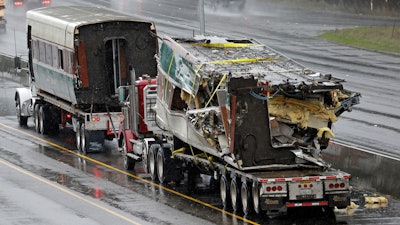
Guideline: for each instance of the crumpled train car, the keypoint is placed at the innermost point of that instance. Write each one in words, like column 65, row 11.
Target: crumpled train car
column 245, row 103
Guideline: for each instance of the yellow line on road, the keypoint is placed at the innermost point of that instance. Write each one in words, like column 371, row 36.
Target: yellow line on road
column 133, row 176
column 65, row 190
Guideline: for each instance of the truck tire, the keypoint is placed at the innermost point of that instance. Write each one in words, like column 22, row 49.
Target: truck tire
column 36, row 118
column 235, row 193
column 245, row 198
column 44, row 120
column 55, row 121
column 224, row 191
column 166, row 167
column 145, row 160
column 152, row 161
column 84, row 139
column 129, row 163
column 78, row 136
column 22, row 120
column 255, row 193
column 161, row 166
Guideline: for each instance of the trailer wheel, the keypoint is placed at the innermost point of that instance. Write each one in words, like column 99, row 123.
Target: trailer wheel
column 166, row 166
column 55, row 124
column 129, row 163
column 85, row 139
column 235, row 194
column 44, row 119
column 224, row 190
column 78, row 136
column 161, row 164
column 22, row 120
column 152, row 159
column 145, row 161
column 255, row 190
column 246, row 198
column 36, row 118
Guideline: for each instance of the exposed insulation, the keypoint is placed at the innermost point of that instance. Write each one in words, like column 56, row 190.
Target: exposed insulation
column 376, row 200
column 294, row 111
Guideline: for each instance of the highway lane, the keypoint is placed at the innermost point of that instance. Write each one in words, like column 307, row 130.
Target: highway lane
column 31, row 199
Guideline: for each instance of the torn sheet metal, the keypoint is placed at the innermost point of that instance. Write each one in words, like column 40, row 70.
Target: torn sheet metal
column 178, row 68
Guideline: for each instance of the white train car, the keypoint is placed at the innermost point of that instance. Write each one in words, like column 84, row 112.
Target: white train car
column 79, row 57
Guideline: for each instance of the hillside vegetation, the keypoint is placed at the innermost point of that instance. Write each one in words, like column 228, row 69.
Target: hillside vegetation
column 385, row 39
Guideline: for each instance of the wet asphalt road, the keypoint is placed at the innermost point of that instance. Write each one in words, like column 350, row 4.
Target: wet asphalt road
column 373, row 123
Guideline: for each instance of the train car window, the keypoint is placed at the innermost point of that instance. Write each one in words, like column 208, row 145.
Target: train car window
column 54, row 53
column 60, row 59
column 42, row 51
column 49, row 60
column 67, row 61
column 35, row 49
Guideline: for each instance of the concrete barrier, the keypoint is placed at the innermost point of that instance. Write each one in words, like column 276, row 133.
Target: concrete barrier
column 370, row 171
column 6, row 63
column 8, row 67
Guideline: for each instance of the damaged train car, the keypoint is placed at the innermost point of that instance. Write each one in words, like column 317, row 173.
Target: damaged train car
column 237, row 110
column 240, row 97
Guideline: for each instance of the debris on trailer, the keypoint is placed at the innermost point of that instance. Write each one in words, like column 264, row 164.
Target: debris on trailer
column 249, row 103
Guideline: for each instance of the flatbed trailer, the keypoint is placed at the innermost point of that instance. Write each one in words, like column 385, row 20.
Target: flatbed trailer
column 277, row 190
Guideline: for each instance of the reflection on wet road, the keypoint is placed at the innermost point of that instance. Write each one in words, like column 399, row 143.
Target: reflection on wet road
column 14, row 210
